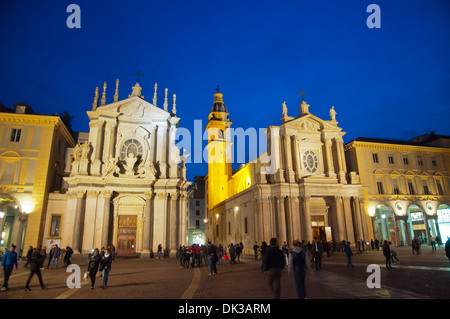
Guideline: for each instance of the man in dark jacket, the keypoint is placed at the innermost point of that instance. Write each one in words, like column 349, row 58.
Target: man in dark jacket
column 212, row 258
column 36, row 264
column 275, row 263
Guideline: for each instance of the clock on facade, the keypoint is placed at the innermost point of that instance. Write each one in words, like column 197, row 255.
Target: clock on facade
column 310, row 161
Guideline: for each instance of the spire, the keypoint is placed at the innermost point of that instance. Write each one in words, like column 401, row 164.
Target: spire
column 116, row 95
column 174, row 106
column 166, row 105
column 104, row 94
column 95, row 104
column 155, row 99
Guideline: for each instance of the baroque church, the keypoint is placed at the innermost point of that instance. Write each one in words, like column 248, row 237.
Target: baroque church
column 298, row 189
column 127, row 184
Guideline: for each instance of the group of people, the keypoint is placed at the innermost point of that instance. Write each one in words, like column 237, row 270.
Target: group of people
column 196, row 255
column 100, row 260
column 35, row 258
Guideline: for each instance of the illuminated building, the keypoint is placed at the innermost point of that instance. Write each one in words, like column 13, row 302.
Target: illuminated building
column 406, row 185
column 32, row 159
column 298, row 189
column 196, row 212
column 127, row 183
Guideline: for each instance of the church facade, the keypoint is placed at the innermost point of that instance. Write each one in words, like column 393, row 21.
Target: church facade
column 127, row 184
column 298, row 189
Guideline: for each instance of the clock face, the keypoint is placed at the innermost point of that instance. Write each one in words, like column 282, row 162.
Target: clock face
column 310, row 161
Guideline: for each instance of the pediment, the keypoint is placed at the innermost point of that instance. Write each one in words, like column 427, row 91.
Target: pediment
column 310, row 123
column 132, row 108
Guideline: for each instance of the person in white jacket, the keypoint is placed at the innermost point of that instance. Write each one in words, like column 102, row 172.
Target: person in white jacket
column 299, row 264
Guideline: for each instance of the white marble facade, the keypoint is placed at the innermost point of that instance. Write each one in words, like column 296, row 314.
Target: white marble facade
column 127, row 185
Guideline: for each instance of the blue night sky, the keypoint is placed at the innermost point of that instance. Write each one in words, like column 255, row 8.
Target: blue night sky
column 392, row 82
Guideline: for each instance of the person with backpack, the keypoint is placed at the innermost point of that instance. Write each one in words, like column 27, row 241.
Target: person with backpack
column 298, row 264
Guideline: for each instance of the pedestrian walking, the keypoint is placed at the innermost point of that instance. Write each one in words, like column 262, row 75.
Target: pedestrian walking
column 35, row 268
column 433, row 243
column 317, row 248
column 263, row 252
column 387, row 254
column 68, row 256
column 299, row 265
column 93, row 265
column 56, row 251
column 275, row 263
column 232, row 251
column 349, row 254
column 159, row 251
column 238, row 252
column 106, row 263
column 50, row 256
column 29, row 256
column 393, row 253
column 212, row 258
column 377, row 244
column 8, row 261
column 255, row 250
column 219, row 254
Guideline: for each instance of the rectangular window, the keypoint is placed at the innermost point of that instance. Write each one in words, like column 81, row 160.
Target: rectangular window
column 419, row 160
column 375, row 157
column 433, row 162
column 411, row 188
column 229, row 228
column 396, row 191
column 405, row 160
column 197, row 213
column 217, row 230
column 245, row 225
column 55, row 226
column 391, row 159
column 15, row 135
column 197, row 224
column 426, row 191
column 380, row 187
column 197, row 203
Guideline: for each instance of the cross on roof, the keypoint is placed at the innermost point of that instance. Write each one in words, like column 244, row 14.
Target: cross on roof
column 138, row 74
column 301, row 93
column 217, row 89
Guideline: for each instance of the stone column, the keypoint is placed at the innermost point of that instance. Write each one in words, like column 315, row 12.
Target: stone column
column 348, row 219
column 329, row 158
column 146, row 242
column 173, row 221
column 358, row 219
column 79, row 216
column 89, row 221
column 281, row 218
column 297, row 165
column 295, row 217
column 97, row 143
column 290, row 177
column 106, row 217
column 183, row 219
column 306, row 219
column 109, row 140
column 341, row 232
column 160, row 221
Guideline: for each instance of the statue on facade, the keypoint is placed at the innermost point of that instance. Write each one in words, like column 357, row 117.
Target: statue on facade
column 129, row 164
column 77, row 152
column 147, row 171
column 111, row 167
column 284, row 109
column 333, row 114
column 85, row 148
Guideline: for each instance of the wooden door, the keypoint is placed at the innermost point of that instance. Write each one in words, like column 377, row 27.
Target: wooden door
column 126, row 237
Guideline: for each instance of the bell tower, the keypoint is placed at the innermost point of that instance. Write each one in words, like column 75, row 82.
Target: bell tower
column 219, row 151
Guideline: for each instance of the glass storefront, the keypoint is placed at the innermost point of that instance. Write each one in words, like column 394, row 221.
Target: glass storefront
column 443, row 214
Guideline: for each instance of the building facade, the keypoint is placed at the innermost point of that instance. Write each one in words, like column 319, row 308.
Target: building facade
column 299, row 189
column 406, row 186
column 127, row 185
column 32, row 159
column 196, row 212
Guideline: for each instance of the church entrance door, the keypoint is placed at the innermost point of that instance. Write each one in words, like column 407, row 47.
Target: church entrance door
column 126, row 237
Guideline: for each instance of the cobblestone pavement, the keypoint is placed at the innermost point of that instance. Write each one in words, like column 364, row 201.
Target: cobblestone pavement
column 425, row 276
